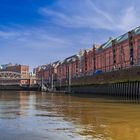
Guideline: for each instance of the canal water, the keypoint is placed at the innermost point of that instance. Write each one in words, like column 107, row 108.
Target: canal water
column 42, row 116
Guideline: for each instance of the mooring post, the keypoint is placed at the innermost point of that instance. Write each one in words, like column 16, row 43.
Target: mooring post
column 136, row 86
column 130, row 91
column 131, row 87
column 133, row 91
column 120, row 90
column 126, row 86
column 124, row 90
column 117, row 90
column 138, row 91
column 109, row 87
column 113, row 90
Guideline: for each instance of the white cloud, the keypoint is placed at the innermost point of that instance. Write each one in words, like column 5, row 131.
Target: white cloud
column 38, row 43
column 34, row 35
column 9, row 34
column 129, row 19
column 93, row 17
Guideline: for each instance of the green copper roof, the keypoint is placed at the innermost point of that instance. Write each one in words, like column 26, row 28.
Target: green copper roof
column 122, row 38
column 107, row 44
column 137, row 30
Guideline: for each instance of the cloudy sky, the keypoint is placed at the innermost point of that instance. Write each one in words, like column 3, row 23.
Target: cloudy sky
column 36, row 32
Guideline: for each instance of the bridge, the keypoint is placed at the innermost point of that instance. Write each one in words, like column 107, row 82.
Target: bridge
column 12, row 78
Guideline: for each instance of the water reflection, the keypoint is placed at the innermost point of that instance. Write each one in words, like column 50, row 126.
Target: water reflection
column 39, row 116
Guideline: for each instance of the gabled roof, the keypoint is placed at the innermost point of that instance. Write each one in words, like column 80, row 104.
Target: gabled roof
column 55, row 64
column 68, row 59
column 71, row 58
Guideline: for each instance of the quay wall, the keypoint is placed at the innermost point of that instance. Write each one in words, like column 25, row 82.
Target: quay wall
column 123, row 75
column 123, row 83
column 123, row 90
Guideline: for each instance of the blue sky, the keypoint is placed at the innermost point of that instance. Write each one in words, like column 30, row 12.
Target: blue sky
column 36, row 32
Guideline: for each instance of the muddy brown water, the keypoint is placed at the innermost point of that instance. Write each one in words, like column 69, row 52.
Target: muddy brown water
column 42, row 116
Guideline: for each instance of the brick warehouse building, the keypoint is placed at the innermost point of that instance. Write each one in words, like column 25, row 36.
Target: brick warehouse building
column 47, row 72
column 119, row 53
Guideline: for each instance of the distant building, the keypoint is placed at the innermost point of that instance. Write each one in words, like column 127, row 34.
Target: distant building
column 4, row 66
column 22, row 69
column 48, row 73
